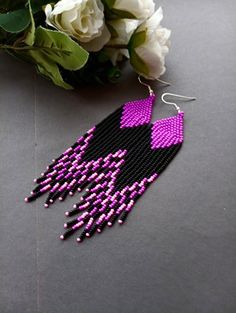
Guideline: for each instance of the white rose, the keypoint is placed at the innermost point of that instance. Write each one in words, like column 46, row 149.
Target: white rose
column 81, row 19
column 149, row 46
column 140, row 9
column 122, row 30
column 116, row 55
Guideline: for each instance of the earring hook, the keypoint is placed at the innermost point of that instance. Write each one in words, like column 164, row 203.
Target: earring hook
column 175, row 95
column 151, row 92
column 163, row 82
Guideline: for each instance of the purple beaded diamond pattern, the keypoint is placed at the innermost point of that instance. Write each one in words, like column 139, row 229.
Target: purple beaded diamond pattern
column 137, row 113
column 115, row 162
column 168, row 132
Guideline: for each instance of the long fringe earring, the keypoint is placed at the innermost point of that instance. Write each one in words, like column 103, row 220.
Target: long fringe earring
column 115, row 162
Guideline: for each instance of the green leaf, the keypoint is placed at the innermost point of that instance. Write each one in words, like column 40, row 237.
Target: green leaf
column 117, row 13
column 60, row 48
column 10, row 5
column 15, row 21
column 112, row 30
column 51, row 49
column 109, row 3
column 51, row 70
column 123, row 13
column 18, row 20
column 137, row 39
column 29, row 40
column 44, row 66
column 138, row 64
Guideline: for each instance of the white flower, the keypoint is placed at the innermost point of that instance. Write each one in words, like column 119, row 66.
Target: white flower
column 149, row 46
column 81, row 19
column 140, row 9
column 116, row 55
column 122, row 30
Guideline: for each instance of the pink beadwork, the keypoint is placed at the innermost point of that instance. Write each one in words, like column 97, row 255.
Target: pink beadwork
column 114, row 162
column 137, row 113
column 168, row 132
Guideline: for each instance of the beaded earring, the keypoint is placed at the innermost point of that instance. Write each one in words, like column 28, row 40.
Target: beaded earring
column 115, row 162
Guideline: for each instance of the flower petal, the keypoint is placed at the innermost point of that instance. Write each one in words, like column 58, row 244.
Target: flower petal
column 99, row 42
column 141, row 9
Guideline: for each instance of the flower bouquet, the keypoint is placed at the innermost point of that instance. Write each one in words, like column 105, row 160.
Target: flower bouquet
column 83, row 41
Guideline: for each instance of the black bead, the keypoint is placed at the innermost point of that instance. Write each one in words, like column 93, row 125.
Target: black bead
column 72, row 223
column 64, row 194
column 55, row 195
column 102, row 225
column 68, row 233
column 124, row 216
column 82, row 235
column 114, row 218
column 40, row 179
column 73, row 212
column 34, row 196
column 92, row 231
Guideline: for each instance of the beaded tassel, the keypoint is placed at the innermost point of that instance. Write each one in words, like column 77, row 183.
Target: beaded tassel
column 115, row 162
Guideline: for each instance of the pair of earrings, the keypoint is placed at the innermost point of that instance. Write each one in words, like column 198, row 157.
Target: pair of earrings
column 115, row 162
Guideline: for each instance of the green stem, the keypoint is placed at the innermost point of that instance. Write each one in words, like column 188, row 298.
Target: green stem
column 117, row 46
column 27, row 48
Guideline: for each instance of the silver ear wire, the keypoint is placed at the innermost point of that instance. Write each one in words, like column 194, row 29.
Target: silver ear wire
column 151, row 92
column 163, row 82
column 175, row 95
